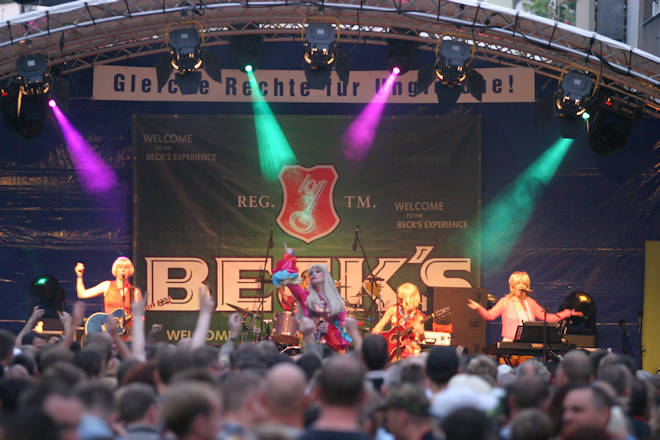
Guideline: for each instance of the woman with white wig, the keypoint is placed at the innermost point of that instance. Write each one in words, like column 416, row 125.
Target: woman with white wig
column 322, row 302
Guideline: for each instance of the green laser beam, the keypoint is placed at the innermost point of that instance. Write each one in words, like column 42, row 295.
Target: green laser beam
column 506, row 216
column 274, row 149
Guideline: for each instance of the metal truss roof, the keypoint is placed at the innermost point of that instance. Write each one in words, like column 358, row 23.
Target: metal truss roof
column 80, row 34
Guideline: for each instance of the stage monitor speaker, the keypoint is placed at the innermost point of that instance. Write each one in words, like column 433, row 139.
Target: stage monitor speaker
column 469, row 327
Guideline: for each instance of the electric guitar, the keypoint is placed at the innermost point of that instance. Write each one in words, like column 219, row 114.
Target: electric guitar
column 98, row 321
column 398, row 336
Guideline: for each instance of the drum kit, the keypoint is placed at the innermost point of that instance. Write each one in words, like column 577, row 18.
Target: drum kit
column 365, row 308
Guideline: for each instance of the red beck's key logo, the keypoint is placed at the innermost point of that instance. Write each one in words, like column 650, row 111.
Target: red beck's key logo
column 308, row 211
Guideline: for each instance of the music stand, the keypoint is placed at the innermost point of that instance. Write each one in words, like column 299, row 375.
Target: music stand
column 532, row 332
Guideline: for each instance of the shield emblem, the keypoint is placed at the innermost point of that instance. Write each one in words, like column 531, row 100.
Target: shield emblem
column 308, row 209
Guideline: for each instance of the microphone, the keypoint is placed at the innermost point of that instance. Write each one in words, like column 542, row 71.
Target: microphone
column 523, row 289
column 355, row 240
column 270, row 238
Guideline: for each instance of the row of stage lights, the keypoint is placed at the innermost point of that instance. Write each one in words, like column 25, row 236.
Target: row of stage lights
column 609, row 120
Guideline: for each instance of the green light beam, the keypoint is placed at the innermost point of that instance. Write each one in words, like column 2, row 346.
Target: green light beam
column 507, row 215
column 274, row 149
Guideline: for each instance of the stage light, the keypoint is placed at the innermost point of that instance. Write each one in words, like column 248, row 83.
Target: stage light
column 586, row 115
column 245, row 50
column 187, row 56
column 401, row 53
column 248, row 68
column 451, row 70
column 611, row 125
column 51, row 103
column 396, row 70
column 574, row 94
column 47, row 293
column 33, row 74
column 321, row 53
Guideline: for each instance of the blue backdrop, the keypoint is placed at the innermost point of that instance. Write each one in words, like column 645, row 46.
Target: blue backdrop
column 587, row 231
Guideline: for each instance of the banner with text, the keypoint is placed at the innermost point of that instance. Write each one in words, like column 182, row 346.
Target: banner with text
column 204, row 212
column 123, row 83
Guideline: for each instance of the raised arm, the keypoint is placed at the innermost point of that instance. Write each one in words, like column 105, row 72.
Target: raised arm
column 29, row 325
column 83, row 293
column 206, row 307
column 137, row 331
column 539, row 314
column 491, row 314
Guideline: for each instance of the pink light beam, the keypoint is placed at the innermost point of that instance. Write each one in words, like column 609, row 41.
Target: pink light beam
column 95, row 176
column 360, row 135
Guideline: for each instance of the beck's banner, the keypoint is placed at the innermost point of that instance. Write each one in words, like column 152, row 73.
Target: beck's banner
column 124, row 83
column 204, row 211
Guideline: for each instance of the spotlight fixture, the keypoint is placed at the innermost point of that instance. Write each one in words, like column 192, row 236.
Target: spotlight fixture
column 572, row 99
column 574, row 94
column 245, row 50
column 321, row 53
column 187, row 56
column 401, row 53
column 47, row 293
column 24, row 98
column 451, row 70
column 611, row 125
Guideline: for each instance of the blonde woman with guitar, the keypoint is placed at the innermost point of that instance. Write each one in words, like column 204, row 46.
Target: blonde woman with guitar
column 406, row 321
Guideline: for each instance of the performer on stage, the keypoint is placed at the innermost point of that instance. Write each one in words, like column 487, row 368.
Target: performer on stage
column 404, row 315
column 117, row 294
column 322, row 302
column 517, row 307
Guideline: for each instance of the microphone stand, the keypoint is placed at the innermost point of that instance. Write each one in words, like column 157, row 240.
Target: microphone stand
column 258, row 330
column 545, row 335
column 369, row 315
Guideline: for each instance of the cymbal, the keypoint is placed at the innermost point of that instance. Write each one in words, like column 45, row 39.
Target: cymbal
column 240, row 309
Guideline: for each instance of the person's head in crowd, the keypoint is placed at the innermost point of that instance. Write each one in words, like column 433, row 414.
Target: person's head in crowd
column 575, row 367
column 7, row 340
column 463, row 390
column 195, row 374
column 29, row 424
column 616, row 358
column 247, row 357
column 241, row 398
column 467, row 423
column 531, row 424
column 170, row 360
column 207, row 356
column 63, row 373
column 441, row 365
column 533, row 367
column 192, row 411
column 407, row 412
column 283, row 394
column 618, row 376
column 124, row 367
column 374, row 352
column 142, row 372
column 340, row 382
column 98, row 398
column 59, row 402
column 584, row 432
column 595, row 358
column 484, row 367
column 26, row 360
column 640, row 405
column 35, row 339
column 585, row 405
column 413, row 372
column 528, row 392
column 90, row 360
column 50, row 354
column 10, row 391
column 100, row 341
column 310, row 363
column 137, row 405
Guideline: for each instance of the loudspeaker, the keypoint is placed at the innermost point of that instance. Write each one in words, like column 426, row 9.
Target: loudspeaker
column 469, row 327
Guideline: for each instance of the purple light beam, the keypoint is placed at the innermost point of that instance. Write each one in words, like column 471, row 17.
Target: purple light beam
column 360, row 135
column 95, row 176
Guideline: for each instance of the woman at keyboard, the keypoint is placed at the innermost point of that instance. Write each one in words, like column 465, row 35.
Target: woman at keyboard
column 517, row 307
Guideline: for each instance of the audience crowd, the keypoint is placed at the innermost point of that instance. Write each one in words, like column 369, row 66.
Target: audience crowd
column 106, row 389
